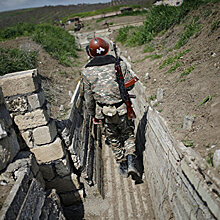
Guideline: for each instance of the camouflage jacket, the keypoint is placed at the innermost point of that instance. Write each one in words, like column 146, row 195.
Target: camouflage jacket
column 100, row 86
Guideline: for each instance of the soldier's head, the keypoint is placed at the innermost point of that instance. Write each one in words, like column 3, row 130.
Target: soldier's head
column 98, row 47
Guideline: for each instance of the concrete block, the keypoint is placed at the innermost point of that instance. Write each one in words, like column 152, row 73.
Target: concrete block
column 62, row 167
column 19, row 83
column 32, row 119
column 61, row 185
column 45, row 134
column 33, row 203
column 19, row 104
column 50, row 152
column 9, row 147
column 36, row 100
column 47, row 171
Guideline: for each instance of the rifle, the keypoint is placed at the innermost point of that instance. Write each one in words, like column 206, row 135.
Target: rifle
column 123, row 85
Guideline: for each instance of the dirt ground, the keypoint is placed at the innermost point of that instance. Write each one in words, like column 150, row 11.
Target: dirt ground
column 196, row 94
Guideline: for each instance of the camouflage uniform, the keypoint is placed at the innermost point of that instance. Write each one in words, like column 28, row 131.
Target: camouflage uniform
column 101, row 92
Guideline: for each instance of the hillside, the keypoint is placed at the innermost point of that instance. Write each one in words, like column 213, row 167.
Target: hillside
column 189, row 76
column 54, row 13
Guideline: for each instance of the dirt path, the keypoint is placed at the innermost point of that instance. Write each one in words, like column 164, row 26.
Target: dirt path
column 123, row 198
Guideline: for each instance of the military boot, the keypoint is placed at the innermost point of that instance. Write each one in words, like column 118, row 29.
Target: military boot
column 123, row 169
column 131, row 167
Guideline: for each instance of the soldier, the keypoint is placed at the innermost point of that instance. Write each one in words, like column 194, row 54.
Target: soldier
column 105, row 105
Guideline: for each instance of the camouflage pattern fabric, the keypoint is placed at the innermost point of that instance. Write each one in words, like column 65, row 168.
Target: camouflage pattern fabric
column 120, row 137
column 99, row 85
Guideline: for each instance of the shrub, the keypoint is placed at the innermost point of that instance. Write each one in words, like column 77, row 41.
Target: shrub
column 159, row 19
column 20, row 29
column 57, row 42
column 12, row 60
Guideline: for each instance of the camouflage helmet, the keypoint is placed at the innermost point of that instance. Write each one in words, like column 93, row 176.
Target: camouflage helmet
column 98, row 47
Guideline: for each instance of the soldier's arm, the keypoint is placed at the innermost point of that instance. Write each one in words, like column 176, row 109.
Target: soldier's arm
column 89, row 99
column 127, row 74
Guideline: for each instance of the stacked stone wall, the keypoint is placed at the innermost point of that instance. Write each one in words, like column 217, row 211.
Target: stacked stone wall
column 22, row 187
column 39, row 134
column 180, row 183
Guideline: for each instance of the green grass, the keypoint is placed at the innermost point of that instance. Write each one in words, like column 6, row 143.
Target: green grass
column 172, row 59
column 187, row 71
column 20, row 29
column 215, row 25
column 161, row 18
column 174, row 67
column 188, row 143
column 13, row 60
column 206, row 99
column 151, row 98
column 148, row 49
column 189, row 31
column 209, row 159
column 57, row 42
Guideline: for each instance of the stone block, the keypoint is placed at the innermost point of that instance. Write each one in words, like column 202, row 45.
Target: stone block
column 3, row 132
column 187, row 123
column 16, row 197
column 62, row 167
column 71, row 198
column 33, row 203
column 40, row 179
column 18, row 104
column 28, row 138
column 4, row 116
column 52, row 208
column 2, row 99
column 19, row 83
column 36, row 100
column 61, row 185
column 160, row 93
column 45, row 134
column 9, row 147
column 47, row 171
column 32, row 119
column 50, row 152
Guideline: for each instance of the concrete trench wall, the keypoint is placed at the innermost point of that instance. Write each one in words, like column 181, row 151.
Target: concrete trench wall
column 180, row 184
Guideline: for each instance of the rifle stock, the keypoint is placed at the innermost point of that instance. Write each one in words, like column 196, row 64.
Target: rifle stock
column 122, row 86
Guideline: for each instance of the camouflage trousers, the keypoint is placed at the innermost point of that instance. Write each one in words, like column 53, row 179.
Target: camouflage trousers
column 119, row 133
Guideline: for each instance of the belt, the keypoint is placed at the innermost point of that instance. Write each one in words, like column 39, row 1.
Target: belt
column 118, row 104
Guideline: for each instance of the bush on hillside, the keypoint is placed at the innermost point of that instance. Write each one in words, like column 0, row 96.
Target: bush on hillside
column 158, row 19
column 57, row 42
column 13, row 60
column 20, row 29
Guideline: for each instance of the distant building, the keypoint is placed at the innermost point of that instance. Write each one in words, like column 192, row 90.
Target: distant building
column 169, row 2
